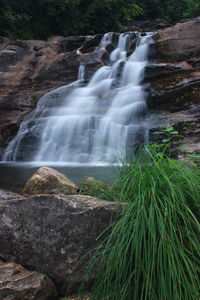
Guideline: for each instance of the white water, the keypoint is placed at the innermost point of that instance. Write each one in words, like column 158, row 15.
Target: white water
column 106, row 118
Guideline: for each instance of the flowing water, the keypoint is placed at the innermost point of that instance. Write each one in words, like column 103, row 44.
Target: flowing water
column 87, row 124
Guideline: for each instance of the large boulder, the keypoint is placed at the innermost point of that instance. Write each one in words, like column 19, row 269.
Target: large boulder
column 179, row 42
column 17, row 283
column 49, row 181
column 54, row 235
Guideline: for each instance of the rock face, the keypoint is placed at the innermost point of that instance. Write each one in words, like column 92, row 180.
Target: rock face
column 174, row 75
column 29, row 69
column 17, row 283
column 54, row 235
column 49, row 181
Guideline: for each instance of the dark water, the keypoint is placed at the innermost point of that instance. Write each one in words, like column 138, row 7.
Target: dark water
column 13, row 176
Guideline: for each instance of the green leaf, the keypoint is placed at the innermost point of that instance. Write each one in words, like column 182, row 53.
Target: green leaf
column 174, row 132
column 182, row 148
column 168, row 129
column 193, row 155
column 165, row 140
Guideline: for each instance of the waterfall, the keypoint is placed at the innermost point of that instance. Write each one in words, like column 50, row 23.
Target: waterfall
column 85, row 124
column 81, row 72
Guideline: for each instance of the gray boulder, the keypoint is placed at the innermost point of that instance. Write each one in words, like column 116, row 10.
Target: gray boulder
column 54, row 235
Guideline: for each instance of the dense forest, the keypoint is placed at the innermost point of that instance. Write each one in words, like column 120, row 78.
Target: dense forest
column 39, row 19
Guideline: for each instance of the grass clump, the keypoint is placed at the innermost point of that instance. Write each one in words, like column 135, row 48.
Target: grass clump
column 153, row 250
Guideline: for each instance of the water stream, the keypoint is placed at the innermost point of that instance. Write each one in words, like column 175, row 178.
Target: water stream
column 86, row 124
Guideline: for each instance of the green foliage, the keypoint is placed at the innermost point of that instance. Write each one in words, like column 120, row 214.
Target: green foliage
column 64, row 17
column 168, row 138
column 12, row 23
column 43, row 18
column 169, row 134
column 97, row 189
column 153, row 250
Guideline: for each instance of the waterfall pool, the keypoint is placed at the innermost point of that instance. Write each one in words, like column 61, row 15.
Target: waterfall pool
column 13, row 175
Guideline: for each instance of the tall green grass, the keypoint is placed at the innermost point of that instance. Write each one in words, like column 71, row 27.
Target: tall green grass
column 153, row 251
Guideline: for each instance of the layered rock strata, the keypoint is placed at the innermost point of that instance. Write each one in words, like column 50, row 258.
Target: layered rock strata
column 174, row 75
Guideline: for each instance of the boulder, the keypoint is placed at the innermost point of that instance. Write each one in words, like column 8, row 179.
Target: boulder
column 17, row 283
column 55, row 235
column 49, row 181
column 179, row 42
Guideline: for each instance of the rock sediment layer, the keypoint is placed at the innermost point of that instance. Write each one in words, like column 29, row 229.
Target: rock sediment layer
column 174, row 75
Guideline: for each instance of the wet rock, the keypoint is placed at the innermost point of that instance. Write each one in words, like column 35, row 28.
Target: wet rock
column 17, row 283
column 174, row 77
column 8, row 195
column 94, row 61
column 109, row 48
column 28, row 70
column 49, row 181
column 91, row 43
column 132, row 46
column 71, row 43
column 54, row 234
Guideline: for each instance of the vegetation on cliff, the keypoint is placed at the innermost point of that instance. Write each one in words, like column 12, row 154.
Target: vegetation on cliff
column 43, row 18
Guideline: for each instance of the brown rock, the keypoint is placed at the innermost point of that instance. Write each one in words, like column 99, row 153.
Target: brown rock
column 174, row 76
column 49, row 181
column 17, row 283
column 54, row 235
column 178, row 42
column 28, row 70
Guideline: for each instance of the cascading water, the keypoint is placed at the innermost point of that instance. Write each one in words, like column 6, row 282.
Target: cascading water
column 91, row 123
